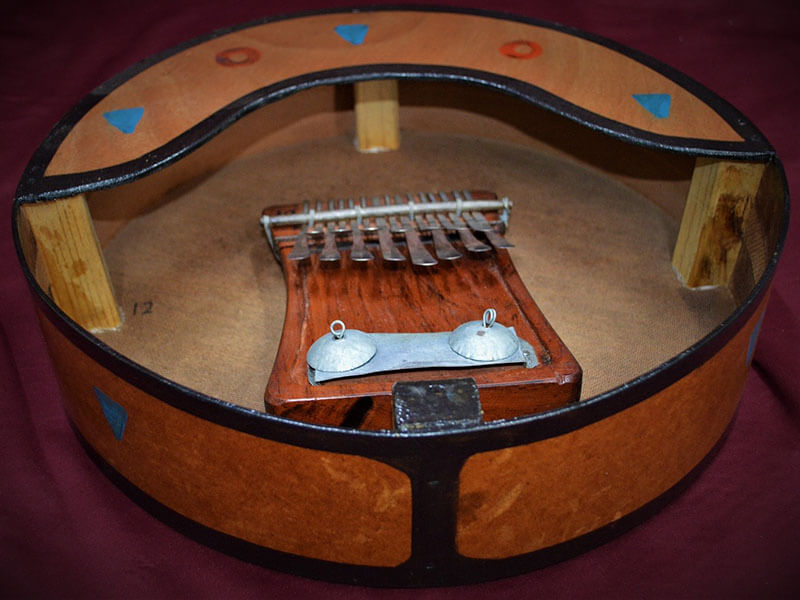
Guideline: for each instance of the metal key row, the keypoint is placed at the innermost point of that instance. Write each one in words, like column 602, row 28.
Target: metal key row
column 435, row 216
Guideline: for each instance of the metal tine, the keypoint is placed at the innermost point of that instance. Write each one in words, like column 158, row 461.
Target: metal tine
column 358, row 252
column 471, row 243
column 418, row 220
column 419, row 255
column 396, row 225
column 330, row 251
column 443, row 247
column 497, row 240
column 341, row 226
column 301, row 250
column 316, row 227
column 446, row 223
column 388, row 250
column 467, row 216
column 421, row 224
column 369, row 225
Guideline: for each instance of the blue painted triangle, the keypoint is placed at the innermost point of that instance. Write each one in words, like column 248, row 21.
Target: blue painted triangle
column 656, row 104
column 125, row 119
column 354, row 34
column 116, row 416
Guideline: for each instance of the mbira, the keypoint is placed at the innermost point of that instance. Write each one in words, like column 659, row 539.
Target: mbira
column 366, row 313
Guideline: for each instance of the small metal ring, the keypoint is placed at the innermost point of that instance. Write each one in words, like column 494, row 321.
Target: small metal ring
column 337, row 333
column 489, row 316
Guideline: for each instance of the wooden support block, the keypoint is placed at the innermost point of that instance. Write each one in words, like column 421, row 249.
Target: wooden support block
column 377, row 116
column 710, row 238
column 66, row 249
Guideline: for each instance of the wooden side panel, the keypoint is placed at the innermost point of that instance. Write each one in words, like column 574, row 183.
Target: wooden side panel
column 537, row 495
column 710, row 238
column 323, row 505
column 68, row 259
column 377, row 115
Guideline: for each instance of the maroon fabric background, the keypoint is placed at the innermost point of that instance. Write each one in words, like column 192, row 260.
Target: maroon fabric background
column 66, row 531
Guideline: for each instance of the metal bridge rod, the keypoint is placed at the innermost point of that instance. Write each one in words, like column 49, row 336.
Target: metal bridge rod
column 361, row 212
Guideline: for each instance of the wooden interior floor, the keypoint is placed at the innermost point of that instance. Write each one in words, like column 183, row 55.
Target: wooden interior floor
column 203, row 298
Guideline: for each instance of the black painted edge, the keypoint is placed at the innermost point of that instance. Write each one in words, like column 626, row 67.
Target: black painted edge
column 425, row 568
column 56, row 186
column 35, row 186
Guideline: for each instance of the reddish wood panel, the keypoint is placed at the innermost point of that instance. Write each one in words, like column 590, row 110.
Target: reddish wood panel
column 540, row 494
column 324, row 505
column 381, row 297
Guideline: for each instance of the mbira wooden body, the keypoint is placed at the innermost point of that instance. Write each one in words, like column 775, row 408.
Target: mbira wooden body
column 417, row 298
column 137, row 223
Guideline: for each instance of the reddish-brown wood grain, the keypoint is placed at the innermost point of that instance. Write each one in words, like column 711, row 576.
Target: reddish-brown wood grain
column 380, row 297
column 325, row 505
column 550, row 491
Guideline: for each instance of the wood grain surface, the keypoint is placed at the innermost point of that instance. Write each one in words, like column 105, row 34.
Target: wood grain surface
column 63, row 247
column 550, row 491
column 377, row 118
column 182, row 90
column 719, row 203
column 324, row 505
column 380, row 298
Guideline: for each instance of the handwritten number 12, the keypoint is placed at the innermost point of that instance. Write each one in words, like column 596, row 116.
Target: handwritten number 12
column 143, row 308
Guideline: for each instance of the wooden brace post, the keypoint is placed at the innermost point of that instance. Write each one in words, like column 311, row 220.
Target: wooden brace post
column 721, row 195
column 68, row 260
column 377, row 115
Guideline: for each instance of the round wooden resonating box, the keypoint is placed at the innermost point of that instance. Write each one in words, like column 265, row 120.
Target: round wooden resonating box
column 646, row 217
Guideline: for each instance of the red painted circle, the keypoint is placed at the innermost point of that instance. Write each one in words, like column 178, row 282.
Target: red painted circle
column 236, row 57
column 521, row 49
